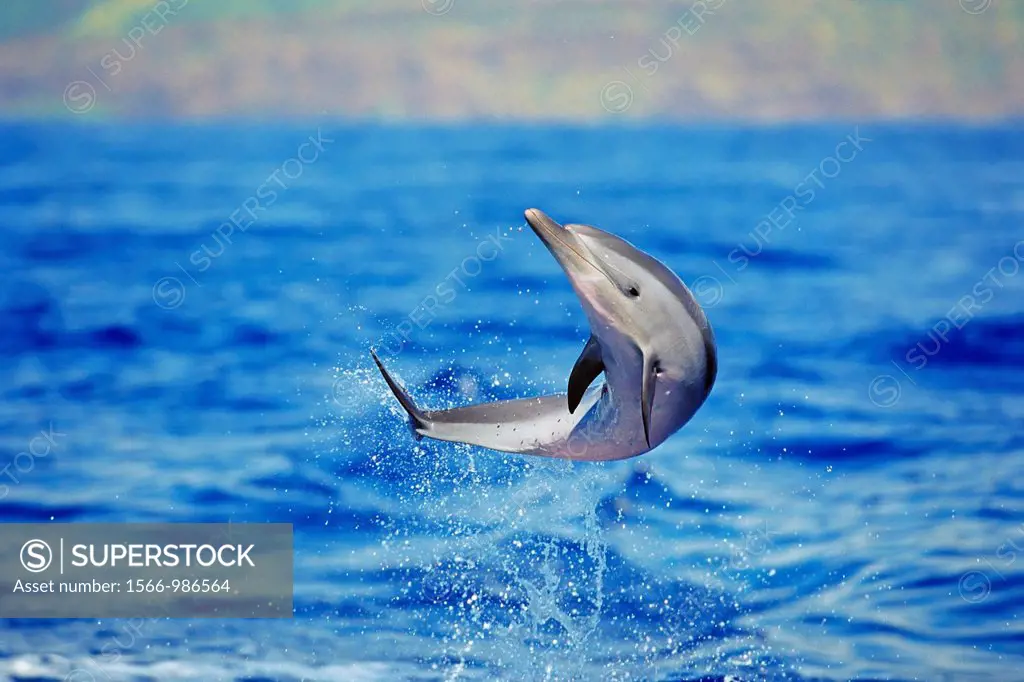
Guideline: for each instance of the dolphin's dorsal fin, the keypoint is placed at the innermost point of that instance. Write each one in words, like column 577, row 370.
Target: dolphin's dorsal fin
column 587, row 368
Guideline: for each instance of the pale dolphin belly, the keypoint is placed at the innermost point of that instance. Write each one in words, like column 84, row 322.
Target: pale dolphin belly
column 536, row 426
column 540, row 426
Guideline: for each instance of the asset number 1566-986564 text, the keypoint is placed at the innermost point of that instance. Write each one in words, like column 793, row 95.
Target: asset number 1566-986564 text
column 179, row 585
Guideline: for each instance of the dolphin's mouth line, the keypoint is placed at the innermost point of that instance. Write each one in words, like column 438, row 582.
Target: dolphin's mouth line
column 583, row 258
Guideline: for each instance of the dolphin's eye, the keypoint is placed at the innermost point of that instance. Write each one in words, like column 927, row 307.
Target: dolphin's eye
column 633, row 291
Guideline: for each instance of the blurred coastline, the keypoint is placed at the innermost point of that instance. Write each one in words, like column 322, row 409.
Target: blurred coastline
column 572, row 60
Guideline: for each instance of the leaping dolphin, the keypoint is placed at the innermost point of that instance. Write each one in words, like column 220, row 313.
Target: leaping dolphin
column 648, row 335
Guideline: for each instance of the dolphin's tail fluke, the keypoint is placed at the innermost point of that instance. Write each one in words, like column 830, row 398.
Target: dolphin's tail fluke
column 417, row 419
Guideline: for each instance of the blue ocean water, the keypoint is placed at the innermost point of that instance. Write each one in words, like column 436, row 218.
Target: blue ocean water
column 849, row 504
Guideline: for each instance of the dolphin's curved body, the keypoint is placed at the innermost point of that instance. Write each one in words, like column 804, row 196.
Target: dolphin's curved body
column 649, row 337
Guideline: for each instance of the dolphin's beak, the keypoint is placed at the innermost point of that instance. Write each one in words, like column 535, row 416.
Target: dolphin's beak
column 550, row 232
column 566, row 247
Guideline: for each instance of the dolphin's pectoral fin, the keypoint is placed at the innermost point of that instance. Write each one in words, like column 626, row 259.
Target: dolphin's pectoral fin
column 587, row 368
column 417, row 420
column 650, row 378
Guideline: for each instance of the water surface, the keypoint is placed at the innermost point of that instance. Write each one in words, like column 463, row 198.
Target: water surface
column 849, row 504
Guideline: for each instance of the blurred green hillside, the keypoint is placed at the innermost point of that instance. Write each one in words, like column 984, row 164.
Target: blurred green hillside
column 552, row 59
